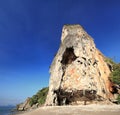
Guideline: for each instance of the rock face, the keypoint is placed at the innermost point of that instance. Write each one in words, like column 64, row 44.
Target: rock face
column 24, row 106
column 78, row 71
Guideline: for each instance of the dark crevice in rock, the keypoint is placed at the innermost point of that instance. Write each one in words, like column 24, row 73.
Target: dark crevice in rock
column 89, row 60
column 99, row 73
column 68, row 56
column 91, row 50
column 95, row 63
column 110, row 67
column 88, row 64
column 103, row 90
column 84, row 72
column 80, row 62
column 84, row 58
column 65, row 98
column 63, row 69
column 85, row 64
column 114, row 90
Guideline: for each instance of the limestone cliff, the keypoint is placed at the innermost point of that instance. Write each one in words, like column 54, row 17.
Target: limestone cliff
column 78, row 71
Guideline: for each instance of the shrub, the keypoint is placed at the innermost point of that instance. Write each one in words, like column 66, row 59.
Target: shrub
column 39, row 97
column 115, row 74
column 42, row 94
column 109, row 61
column 118, row 99
column 33, row 100
column 41, row 101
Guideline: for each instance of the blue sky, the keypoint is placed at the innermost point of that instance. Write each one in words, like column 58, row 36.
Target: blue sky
column 30, row 32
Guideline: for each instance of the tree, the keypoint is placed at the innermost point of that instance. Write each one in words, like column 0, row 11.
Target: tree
column 39, row 97
column 115, row 74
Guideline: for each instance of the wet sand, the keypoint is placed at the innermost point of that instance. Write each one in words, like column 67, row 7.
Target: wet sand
column 76, row 110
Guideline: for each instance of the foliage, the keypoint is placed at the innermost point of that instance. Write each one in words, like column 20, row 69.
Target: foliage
column 39, row 97
column 118, row 99
column 115, row 74
column 33, row 100
column 110, row 61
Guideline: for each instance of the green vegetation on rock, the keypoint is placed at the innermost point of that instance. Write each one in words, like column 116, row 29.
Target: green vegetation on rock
column 118, row 98
column 109, row 61
column 115, row 73
column 39, row 97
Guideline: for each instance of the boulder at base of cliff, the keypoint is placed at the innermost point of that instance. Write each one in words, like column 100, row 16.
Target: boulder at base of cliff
column 24, row 106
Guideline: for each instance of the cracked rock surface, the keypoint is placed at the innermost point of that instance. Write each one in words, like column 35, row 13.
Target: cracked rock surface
column 78, row 71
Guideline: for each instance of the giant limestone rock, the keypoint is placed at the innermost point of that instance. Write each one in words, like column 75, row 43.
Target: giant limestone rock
column 79, row 71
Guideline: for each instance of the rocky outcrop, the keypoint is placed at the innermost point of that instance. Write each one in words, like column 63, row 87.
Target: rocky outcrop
column 78, row 71
column 24, row 106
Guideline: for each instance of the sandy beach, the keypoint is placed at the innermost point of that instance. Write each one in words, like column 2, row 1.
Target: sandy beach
column 76, row 110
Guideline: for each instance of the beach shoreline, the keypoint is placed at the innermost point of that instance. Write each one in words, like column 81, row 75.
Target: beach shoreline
column 75, row 110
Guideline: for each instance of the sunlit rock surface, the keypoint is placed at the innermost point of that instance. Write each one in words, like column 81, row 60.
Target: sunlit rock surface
column 78, row 71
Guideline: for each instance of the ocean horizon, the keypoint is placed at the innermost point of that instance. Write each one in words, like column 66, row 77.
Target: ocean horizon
column 6, row 110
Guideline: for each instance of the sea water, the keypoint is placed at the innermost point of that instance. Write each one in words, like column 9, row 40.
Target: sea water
column 6, row 110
